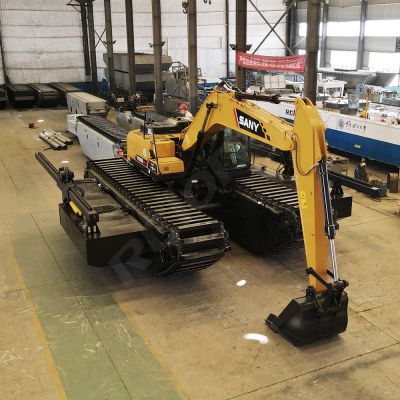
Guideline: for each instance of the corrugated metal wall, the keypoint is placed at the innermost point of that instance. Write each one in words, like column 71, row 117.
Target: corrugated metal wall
column 349, row 10
column 210, row 30
column 43, row 39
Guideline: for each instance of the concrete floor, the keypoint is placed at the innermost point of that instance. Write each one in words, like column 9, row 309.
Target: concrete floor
column 72, row 331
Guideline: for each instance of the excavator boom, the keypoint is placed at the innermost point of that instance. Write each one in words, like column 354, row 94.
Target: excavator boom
column 239, row 115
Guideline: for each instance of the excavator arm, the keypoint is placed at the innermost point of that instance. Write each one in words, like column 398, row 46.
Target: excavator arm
column 323, row 311
column 223, row 110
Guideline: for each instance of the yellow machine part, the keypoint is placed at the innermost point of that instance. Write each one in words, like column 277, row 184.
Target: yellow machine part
column 75, row 209
column 170, row 165
column 139, row 146
column 310, row 145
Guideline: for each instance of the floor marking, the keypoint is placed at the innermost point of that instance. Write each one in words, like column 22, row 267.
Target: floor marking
column 181, row 392
column 177, row 392
column 38, row 329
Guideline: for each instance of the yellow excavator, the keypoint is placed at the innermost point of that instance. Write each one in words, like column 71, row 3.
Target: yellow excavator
column 130, row 206
column 323, row 311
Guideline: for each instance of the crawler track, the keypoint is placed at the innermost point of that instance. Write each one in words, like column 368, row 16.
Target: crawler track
column 269, row 192
column 106, row 128
column 262, row 213
column 187, row 239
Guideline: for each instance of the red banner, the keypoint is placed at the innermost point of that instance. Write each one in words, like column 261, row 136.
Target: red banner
column 268, row 63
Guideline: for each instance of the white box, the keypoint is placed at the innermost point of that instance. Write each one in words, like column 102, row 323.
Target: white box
column 85, row 103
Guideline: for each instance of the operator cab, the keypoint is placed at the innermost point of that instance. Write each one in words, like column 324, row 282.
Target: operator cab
column 232, row 149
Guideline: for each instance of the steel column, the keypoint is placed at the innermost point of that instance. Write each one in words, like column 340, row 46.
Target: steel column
column 241, row 39
column 157, row 47
column 192, row 44
column 227, row 36
column 92, row 43
column 312, row 46
column 110, row 44
column 361, row 41
column 291, row 26
column 325, row 14
column 131, row 46
column 85, row 40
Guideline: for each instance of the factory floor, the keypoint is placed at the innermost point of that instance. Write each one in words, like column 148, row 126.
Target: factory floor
column 69, row 331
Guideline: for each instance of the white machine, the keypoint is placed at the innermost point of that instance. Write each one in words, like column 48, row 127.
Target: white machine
column 98, row 137
column 86, row 104
column 325, row 86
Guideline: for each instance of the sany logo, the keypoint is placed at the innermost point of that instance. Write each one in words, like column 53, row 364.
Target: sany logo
column 248, row 123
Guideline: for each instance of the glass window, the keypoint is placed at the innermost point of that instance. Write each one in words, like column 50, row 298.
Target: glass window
column 236, row 150
column 384, row 62
column 302, row 29
column 334, row 28
column 382, row 28
column 343, row 59
column 347, row 28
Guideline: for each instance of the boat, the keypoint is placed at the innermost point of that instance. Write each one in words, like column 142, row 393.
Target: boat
column 376, row 137
column 357, row 77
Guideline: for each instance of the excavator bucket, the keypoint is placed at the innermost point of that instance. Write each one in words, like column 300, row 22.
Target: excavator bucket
column 311, row 318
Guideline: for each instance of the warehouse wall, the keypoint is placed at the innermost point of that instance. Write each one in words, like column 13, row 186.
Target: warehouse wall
column 343, row 31
column 43, row 43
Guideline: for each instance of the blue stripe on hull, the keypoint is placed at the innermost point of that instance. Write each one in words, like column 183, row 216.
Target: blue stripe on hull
column 369, row 148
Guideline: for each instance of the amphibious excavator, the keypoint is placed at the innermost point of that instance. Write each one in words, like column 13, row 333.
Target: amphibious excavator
column 163, row 193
